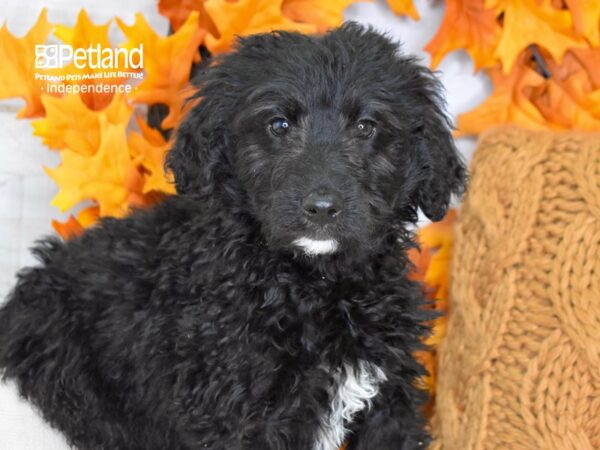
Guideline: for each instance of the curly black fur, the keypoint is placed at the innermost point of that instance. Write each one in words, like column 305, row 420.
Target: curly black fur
column 198, row 323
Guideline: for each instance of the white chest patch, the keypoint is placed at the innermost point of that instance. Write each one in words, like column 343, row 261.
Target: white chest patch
column 354, row 388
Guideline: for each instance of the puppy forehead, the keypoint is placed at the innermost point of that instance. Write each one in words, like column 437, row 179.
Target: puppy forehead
column 297, row 98
column 308, row 64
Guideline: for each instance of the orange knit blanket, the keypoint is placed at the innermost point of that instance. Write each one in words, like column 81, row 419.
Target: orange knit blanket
column 520, row 366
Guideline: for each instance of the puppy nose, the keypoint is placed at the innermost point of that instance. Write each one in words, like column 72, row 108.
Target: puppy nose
column 322, row 207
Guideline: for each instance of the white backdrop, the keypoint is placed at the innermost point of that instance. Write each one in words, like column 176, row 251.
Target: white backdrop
column 26, row 191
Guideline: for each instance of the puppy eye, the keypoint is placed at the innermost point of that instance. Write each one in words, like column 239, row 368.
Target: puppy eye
column 279, row 126
column 365, row 129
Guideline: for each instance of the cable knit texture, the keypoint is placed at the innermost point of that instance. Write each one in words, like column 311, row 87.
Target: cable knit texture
column 520, row 367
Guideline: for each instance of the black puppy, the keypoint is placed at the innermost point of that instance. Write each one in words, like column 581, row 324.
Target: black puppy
column 267, row 305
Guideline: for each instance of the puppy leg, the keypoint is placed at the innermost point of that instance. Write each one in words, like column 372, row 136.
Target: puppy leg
column 393, row 423
column 43, row 347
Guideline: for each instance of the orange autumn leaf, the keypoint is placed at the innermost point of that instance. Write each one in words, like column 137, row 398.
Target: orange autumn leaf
column 149, row 149
column 17, row 70
column 70, row 124
column 134, row 185
column 589, row 58
column 404, row 8
column 74, row 226
column 177, row 11
column 467, row 25
column 529, row 22
column 324, row 15
column 432, row 267
column 184, row 101
column 568, row 98
column 586, row 19
column 579, row 88
column 167, row 62
column 507, row 104
column 68, row 229
column 561, row 109
column 88, row 216
column 420, row 258
column 84, row 32
column 101, row 177
column 438, row 237
column 83, row 35
column 439, row 329
column 245, row 17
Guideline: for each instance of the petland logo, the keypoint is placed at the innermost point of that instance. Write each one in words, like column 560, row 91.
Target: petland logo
column 93, row 57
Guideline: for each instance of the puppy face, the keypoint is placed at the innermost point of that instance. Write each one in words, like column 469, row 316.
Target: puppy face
column 319, row 158
column 331, row 142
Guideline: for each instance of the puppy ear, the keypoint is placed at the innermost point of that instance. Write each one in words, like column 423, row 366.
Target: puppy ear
column 418, row 113
column 198, row 157
column 442, row 170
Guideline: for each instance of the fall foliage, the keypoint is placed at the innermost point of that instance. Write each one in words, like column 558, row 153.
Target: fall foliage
column 70, row 124
column 431, row 266
column 245, row 17
column 18, row 66
column 101, row 176
column 82, row 35
column 467, row 25
column 167, row 63
column 543, row 57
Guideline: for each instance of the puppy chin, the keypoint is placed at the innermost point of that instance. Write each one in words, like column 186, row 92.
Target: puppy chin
column 314, row 247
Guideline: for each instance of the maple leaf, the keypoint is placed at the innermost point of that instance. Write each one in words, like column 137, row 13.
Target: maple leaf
column 134, row 185
column 589, row 58
column 83, row 35
column 149, row 149
column 74, row 226
column 567, row 98
column 246, row 17
column 70, row 124
column 84, row 32
column 17, row 75
column 560, row 108
column 404, row 8
column 438, row 238
column 432, row 267
column 586, row 19
column 324, row 15
column 102, row 177
column 420, row 258
column 508, row 103
column 580, row 87
column 88, row 216
column 167, row 63
column 528, row 22
column 177, row 11
column 467, row 25
column 68, row 229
